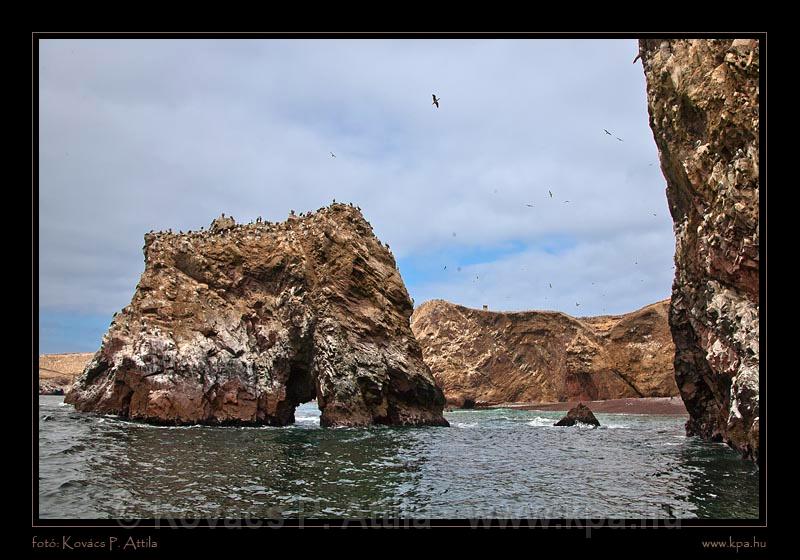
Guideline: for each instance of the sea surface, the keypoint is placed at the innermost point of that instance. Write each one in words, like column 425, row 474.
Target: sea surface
column 490, row 463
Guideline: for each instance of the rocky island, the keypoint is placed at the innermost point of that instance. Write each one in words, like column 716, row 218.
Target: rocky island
column 703, row 100
column 488, row 357
column 581, row 414
column 241, row 323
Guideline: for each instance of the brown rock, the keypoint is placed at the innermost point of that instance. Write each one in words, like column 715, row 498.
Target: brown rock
column 242, row 323
column 703, row 100
column 578, row 415
column 540, row 356
column 58, row 371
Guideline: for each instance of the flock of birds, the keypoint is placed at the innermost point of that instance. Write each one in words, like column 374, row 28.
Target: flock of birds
column 529, row 205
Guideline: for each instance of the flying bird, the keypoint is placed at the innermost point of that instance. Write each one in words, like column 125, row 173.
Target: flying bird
column 618, row 138
column 529, row 205
column 577, row 304
column 607, row 132
column 566, row 201
column 435, row 100
column 551, row 193
column 333, row 155
column 551, row 285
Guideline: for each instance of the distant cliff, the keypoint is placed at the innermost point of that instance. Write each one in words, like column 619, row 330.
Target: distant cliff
column 545, row 355
column 241, row 323
column 703, row 100
column 58, row 371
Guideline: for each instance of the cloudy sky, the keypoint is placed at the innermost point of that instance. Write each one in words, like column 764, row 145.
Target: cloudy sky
column 154, row 134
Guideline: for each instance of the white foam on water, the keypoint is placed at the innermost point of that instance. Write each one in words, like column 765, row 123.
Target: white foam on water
column 465, row 424
column 540, row 421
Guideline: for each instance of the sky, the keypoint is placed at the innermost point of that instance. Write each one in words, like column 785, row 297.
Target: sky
column 137, row 135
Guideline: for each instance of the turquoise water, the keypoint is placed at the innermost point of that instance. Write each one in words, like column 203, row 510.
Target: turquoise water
column 489, row 463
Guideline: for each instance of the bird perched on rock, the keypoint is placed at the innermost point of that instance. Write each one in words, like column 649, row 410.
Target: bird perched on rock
column 435, row 100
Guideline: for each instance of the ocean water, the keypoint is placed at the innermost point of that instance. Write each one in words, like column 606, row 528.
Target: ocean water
column 490, row 463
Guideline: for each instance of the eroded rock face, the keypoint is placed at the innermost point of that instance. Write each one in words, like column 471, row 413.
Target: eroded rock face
column 241, row 323
column 580, row 414
column 545, row 356
column 57, row 372
column 703, row 100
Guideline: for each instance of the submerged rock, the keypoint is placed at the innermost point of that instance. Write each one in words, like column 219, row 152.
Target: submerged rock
column 580, row 414
column 703, row 100
column 242, row 323
column 545, row 356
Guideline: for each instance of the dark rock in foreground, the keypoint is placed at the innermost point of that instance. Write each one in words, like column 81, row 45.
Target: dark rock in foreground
column 240, row 324
column 579, row 414
column 703, row 100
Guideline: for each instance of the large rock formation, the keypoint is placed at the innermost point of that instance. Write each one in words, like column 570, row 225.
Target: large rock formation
column 703, row 99
column 545, row 356
column 242, row 323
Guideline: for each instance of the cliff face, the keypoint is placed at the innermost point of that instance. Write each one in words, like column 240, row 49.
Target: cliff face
column 241, row 323
column 58, row 371
column 703, row 100
column 544, row 355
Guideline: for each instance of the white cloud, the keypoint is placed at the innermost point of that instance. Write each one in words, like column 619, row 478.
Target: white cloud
column 136, row 135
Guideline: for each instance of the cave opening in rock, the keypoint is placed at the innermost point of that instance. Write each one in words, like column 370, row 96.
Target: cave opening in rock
column 300, row 386
column 301, row 383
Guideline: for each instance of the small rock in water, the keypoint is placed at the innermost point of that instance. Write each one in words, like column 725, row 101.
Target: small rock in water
column 579, row 414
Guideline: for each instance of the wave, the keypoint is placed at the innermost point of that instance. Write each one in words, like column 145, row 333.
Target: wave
column 541, row 421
